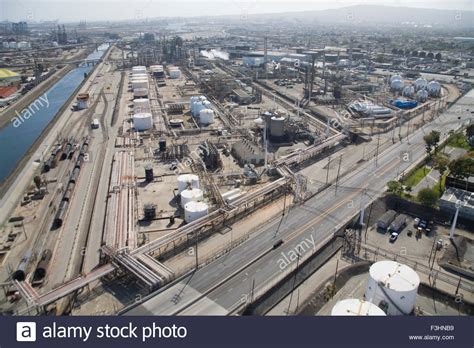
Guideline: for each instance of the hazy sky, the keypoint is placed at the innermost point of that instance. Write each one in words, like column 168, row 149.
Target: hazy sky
column 75, row 10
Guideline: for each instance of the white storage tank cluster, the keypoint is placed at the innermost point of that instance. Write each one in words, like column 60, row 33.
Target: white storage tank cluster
column 393, row 286
column 194, row 211
column 206, row 116
column 434, row 88
column 356, row 307
column 186, row 181
column 198, row 104
column 191, row 195
column 142, row 121
column 141, row 106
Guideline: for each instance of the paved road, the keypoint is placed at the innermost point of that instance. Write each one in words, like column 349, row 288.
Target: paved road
column 206, row 292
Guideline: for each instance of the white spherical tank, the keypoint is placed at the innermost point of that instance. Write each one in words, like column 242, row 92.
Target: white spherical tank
column 198, row 107
column 186, row 181
column 408, row 91
column 395, row 78
column 393, row 286
column 194, row 211
column 206, row 116
column 434, row 88
column 397, row 85
column 420, row 83
column 140, row 93
column 422, row 95
column 142, row 121
column 356, row 307
column 191, row 195
column 141, row 106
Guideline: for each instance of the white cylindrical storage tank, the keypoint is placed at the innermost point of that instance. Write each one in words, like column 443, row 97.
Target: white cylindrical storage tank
column 409, row 91
column 277, row 126
column 139, row 76
column 194, row 211
column 139, row 70
column 356, row 307
column 141, row 106
column 139, row 84
column 395, row 78
column 420, row 83
column 434, row 88
column 259, row 122
column 191, row 195
column 186, row 181
column 140, row 93
column 175, row 74
column 393, row 286
column 206, row 116
column 142, row 121
column 422, row 95
column 397, row 85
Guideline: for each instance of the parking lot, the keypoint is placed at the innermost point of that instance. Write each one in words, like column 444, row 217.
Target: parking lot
column 416, row 247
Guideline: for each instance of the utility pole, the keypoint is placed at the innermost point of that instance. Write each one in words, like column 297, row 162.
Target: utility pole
column 377, row 151
column 327, row 172
column 338, row 171
column 368, row 222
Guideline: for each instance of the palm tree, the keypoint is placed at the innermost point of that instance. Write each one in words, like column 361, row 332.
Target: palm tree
column 441, row 162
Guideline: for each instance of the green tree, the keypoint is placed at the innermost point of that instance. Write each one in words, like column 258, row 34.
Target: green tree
column 395, row 187
column 462, row 167
column 432, row 141
column 441, row 163
column 427, row 197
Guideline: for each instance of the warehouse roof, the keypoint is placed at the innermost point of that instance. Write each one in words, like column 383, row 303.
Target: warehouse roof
column 5, row 74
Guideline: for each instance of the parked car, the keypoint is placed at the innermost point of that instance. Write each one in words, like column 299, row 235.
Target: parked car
column 393, row 237
column 416, row 222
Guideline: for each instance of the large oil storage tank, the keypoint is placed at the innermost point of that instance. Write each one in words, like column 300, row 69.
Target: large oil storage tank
column 194, row 211
column 186, row 181
column 175, row 73
column 420, row 83
column 422, row 95
column 142, row 83
column 142, row 121
column 395, row 78
column 434, row 89
column 356, row 307
column 140, row 93
column 206, row 116
column 277, row 127
column 397, row 85
column 141, row 105
column 393, row 287
column 139, row 70
column 191, row 195
column 408, row 91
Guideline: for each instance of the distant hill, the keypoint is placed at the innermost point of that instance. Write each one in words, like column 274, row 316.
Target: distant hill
column 388, row 15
